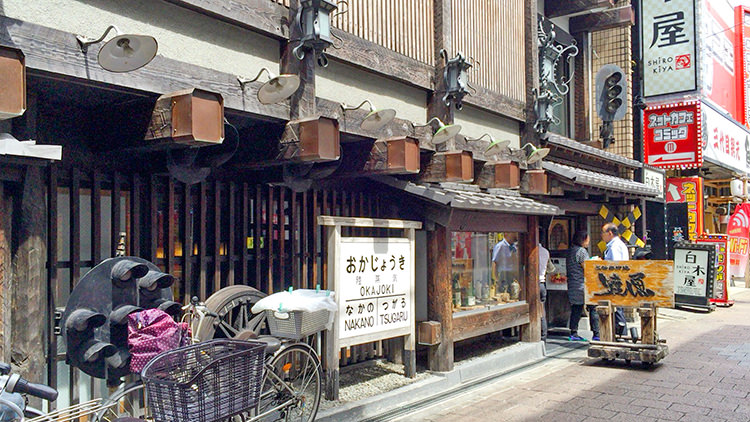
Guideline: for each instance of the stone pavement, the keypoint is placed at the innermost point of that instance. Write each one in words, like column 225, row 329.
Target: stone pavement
column 706, row 377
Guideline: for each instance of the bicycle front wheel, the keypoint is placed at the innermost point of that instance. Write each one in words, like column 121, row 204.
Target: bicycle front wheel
column 127, row 401
column 292, row 385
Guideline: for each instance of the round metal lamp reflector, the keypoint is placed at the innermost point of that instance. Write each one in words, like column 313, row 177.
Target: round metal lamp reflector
column 377, row 119
column 278, row 89
column 125, row 53
column 537, row 155
column 496, row 147
column 445, row 133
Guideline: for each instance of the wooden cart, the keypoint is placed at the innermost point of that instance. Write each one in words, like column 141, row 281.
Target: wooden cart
column 649, row 348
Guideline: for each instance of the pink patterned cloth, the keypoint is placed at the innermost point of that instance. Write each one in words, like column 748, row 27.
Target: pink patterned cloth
column 151, row 332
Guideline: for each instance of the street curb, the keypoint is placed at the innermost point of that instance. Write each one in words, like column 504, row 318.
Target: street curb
column 493, row 365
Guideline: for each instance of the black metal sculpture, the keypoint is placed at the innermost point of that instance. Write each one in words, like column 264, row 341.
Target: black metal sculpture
column 94, row 325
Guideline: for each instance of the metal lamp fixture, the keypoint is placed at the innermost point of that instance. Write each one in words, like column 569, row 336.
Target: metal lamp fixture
column 276, row 89
column 534, row 154
column 495, row 146
column 444, row 132
column 456, row 79
column 375, row 119
column 314, row 19
column 123, row 53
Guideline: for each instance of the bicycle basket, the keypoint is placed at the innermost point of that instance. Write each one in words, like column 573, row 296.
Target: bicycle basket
column 204, row 382
column 297, row 324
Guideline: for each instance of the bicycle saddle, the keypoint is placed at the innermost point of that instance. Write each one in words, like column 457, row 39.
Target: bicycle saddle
column 272, row 343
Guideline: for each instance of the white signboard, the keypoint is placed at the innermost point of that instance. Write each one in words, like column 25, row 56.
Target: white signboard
column 726, row 142
column 655, row 179
column 668, row 37
column 691, row 272
column 558, row 279
column 376, row 287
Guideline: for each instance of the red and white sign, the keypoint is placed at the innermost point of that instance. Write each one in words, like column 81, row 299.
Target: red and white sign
column 689, row 190
column 742, row 60
column 739, row 240
column 721, row 296
column 725, row 142
column 717, row 55
column 672, row 136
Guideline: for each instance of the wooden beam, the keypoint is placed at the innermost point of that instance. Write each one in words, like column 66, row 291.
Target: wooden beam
column 533, row 331
column 189, row 116
column 556, row 8
column 608, row 19
column 531, row 48
column 472, row 324
column 398, row 155
column 270, row 18
column 454, row 166
column 499, row 175
column 55, row 54
column 497, row 103
column 350, row 123
column 302, row 103
column 439, row 297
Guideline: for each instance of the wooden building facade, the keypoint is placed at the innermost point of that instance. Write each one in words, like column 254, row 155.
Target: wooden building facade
column 252, row 220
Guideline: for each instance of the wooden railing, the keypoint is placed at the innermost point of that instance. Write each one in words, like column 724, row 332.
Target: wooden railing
column 404, row 26
column 492, row 32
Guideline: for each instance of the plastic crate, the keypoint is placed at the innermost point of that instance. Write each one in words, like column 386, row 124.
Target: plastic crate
column 204, row 382
column 297, row 324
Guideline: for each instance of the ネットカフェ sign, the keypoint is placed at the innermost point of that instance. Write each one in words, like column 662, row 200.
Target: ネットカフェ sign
column 630, row 283
column 694, row 274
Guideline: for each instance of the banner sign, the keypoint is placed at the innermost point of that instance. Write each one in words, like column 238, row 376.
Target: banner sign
column 738, row 231
column 722, row 265
column 688, row 190
column 668, row 45
column 726, row 142
column 742, row 59
column 694, row 274
column 672, row 136
column 376, row 287
column 629, row 283
column 656, row 180
column 716, row 55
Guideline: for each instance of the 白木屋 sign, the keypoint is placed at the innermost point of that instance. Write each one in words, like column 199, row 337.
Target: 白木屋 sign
column 668, row 46
column 694, row 274
column 630, row 283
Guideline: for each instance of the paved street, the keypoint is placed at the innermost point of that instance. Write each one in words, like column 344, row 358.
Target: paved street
column 706, row 377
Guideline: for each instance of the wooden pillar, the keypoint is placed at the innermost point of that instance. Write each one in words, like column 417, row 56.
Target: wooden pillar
column 29, row 286
column 532, row 331
column 6, row 207
column 435, row 105
column 532, row 69
column 439, row 296
column 302, row 103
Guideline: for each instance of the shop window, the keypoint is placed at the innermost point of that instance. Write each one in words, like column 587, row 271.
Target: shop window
column 486, row 269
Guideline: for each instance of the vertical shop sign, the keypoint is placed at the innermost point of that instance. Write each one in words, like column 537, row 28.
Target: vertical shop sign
column 721, row 295
column 725, row 141
column 742, row 60
column 655, row 179
column 672, row 135
column 694, row 274
column 716, row 55
column 668, row 45
column 738, row 231
column 688, row 190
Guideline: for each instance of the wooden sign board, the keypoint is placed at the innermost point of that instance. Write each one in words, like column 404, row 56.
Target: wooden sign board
column 630, row 283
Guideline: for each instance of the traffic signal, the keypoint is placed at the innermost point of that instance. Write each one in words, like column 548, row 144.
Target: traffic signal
column 611, row 88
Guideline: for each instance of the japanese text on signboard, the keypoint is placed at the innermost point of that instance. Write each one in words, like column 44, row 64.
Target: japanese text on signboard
column 375, row 286
column 629, row 283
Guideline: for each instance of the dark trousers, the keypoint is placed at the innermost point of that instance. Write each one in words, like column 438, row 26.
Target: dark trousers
column 543, row 299
column 575, row 317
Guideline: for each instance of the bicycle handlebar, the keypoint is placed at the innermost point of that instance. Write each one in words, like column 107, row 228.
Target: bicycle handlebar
column 16, row 384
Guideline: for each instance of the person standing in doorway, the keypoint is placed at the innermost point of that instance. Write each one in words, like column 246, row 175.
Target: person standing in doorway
column 616, row 251
column 577, row 255
column 545, row 265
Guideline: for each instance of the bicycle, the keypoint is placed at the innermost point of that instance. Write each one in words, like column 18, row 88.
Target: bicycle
column 290, row 388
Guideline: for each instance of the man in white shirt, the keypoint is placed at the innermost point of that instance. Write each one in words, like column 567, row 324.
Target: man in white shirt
column 504, row 261
column 616, row 251
column 544, row 266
